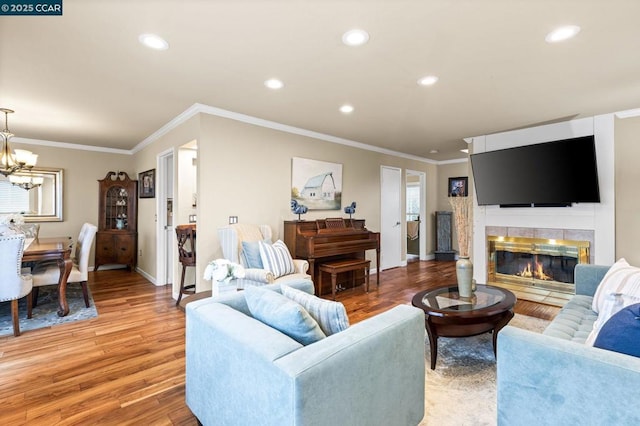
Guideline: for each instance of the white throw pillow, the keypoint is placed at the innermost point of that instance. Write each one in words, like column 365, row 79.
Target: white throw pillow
column 276, row 258
column 619, row 288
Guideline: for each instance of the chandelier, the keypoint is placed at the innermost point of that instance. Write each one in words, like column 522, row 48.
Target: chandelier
column 26, row 182
column 20, row 159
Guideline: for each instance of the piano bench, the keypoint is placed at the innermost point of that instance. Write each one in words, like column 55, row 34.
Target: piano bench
column 343, row 265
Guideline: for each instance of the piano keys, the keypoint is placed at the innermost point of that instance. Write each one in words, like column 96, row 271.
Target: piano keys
column 324, row 240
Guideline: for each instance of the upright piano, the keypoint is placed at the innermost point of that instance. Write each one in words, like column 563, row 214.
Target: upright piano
column 324, row 240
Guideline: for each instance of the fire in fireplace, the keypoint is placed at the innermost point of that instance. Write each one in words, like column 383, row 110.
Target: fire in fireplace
column 532, row 262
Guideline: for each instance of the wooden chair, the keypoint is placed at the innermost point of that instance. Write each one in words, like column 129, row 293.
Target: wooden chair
column 13, row 285
column 187, row 255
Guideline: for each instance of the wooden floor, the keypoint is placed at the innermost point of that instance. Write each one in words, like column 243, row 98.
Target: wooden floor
column 126, row 366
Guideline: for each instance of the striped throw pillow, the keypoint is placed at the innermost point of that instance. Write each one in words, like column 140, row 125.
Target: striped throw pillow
column 331, row 316
column 276, row 258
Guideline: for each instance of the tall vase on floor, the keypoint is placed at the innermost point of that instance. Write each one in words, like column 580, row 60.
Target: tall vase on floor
column 464, row 267
column 464, row 274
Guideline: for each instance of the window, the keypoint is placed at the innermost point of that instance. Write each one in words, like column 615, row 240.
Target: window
column 413, row 202
column 13, row 198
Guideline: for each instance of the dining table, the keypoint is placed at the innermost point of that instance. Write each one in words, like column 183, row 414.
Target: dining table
column 56, row 249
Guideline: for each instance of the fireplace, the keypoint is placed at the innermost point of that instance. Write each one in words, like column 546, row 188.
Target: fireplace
column 546, row 264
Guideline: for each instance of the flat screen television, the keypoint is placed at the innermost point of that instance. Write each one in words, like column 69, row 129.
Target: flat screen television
column 556, row 173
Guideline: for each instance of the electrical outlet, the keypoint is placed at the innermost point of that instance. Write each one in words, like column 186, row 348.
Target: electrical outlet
column 233, row 219
column 140, row 252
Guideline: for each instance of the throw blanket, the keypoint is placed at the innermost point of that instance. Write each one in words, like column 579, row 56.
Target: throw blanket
column 413, row 229
column 247, row 232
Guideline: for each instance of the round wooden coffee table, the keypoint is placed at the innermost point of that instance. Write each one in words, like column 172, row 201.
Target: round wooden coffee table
column 449, row 315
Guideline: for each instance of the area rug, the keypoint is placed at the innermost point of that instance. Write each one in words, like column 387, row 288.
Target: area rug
column 46, row 313
column 461, row 391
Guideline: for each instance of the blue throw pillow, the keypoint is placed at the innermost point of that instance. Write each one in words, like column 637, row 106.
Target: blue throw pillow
column 621, row 333
column 331, row 316
column 251, row 254
column 283, row 314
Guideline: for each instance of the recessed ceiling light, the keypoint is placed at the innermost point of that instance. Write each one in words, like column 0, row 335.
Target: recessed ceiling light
column 562, row 33
column 428, row 80
column 153, row 41
column 433, row 151
column 274, row 83
column 355, row 37
column 346, row 109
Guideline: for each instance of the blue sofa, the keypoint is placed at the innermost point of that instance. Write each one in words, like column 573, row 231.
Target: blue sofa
column 240, row 371
column 554, row 379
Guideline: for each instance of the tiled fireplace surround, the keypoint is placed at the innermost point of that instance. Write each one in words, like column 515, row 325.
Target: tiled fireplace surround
column 546, row 235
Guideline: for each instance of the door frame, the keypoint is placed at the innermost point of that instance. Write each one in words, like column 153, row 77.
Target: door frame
column 423, row 211
column 162, row 193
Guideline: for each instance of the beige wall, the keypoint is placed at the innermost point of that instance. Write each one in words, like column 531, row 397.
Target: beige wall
column 446, row 171
column 627, row 178
column 81, row 172
column 245, row 171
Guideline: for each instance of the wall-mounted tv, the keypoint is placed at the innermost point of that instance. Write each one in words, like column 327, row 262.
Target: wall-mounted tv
column 556, row 173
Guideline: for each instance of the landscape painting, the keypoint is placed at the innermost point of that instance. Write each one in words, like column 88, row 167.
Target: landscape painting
column 316, row 184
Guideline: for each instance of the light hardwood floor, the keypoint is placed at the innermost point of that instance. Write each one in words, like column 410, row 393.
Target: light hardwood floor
column 127, row 365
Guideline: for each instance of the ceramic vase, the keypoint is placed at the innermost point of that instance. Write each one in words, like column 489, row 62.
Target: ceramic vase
column 464, row 274
column 215, row 288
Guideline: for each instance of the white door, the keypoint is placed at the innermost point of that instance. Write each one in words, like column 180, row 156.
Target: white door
column 390, row 217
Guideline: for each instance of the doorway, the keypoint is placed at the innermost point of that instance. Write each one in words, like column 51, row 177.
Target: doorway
column 415, row 196
column 390, row 217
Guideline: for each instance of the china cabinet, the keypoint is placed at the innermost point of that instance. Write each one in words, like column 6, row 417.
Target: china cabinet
column 117, row 236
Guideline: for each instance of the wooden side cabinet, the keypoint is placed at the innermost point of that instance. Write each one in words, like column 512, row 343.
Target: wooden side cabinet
column 117, row 236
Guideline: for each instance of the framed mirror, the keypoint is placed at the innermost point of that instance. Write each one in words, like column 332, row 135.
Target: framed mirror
column 41, row 203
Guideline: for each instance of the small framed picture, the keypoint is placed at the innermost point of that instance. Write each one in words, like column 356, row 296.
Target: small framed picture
column 147, row 184
column 458, row 187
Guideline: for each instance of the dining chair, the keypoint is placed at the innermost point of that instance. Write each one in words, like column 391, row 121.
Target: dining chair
column 13, row 284
column 186, row 235
column 49, row 274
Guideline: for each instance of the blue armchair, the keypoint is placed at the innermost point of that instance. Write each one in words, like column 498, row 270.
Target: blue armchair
column 239, row 371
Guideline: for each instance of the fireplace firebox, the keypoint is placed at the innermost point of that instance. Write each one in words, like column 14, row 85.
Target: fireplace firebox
column 534, row 262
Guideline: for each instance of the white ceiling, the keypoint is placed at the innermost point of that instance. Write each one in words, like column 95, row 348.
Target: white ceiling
column 84, row 78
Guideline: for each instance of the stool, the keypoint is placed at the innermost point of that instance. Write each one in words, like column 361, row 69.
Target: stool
column 343, row 265
column 186, row 255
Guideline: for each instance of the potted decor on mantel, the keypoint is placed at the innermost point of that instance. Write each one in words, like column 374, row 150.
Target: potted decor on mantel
column 464, row 268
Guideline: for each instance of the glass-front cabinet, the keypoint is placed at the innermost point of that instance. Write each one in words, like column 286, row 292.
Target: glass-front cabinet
column 117, row 205
column 116, row 239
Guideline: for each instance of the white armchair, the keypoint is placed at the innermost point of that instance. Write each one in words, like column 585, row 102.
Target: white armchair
column 232, row 238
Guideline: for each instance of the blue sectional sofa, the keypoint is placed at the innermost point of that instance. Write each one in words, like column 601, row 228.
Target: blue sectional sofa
column 554, row 379
column 239, row 371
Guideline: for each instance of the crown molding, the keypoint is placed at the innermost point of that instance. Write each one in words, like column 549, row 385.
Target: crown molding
column 66, row 145
column 628, row 113
column 198, row 108
column 219, row 112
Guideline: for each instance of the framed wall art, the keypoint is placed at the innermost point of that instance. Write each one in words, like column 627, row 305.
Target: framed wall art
column 147, row 184
column 458, row 187
column 316, row 184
